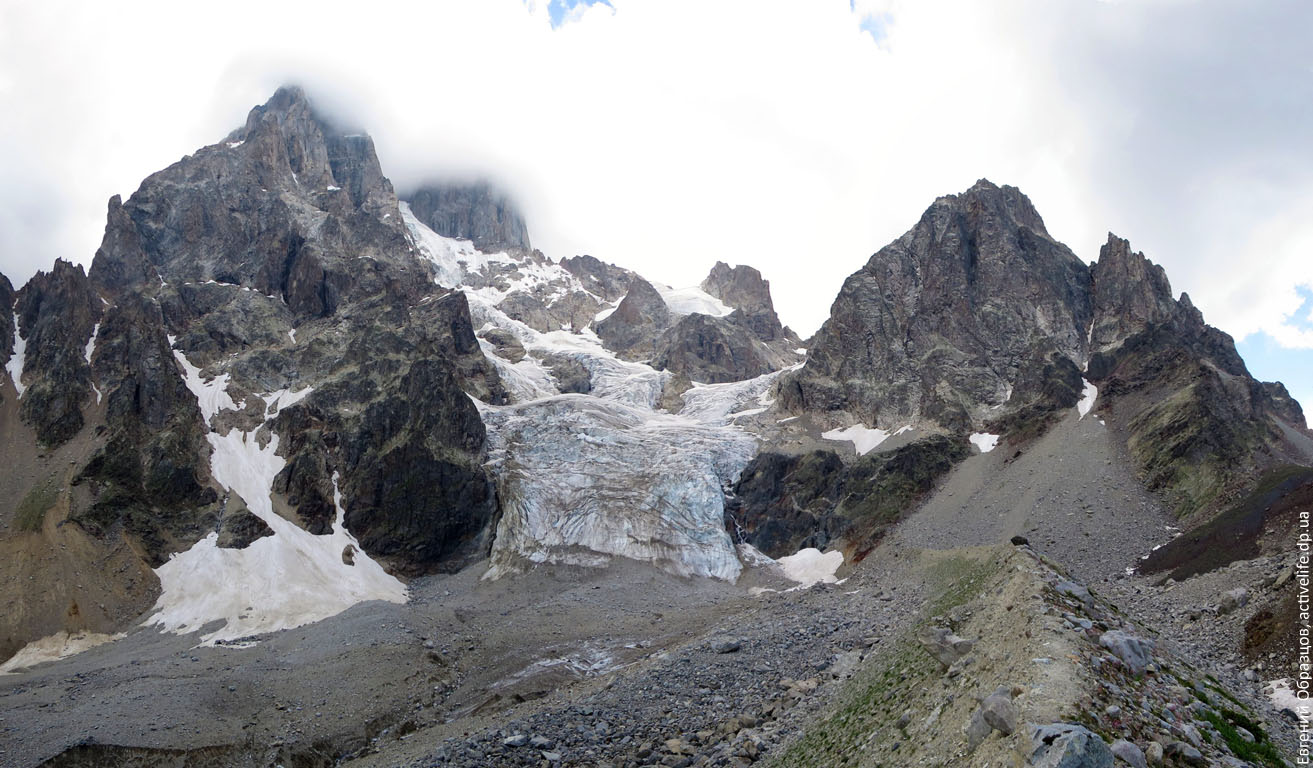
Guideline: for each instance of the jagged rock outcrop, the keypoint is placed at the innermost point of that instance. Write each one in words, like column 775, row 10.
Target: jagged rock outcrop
column 606, row 280
column 743, row 288
column 1199, row 426
column 713, row 350
column 632, row 329
column 474, row 212
column 782, row 503
column 151, row 472
column 58, row 313
column 942, row 323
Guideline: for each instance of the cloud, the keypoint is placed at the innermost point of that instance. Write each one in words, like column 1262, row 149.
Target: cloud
column 795, row 135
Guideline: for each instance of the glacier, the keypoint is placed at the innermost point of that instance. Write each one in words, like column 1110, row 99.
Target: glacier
column 585, row 478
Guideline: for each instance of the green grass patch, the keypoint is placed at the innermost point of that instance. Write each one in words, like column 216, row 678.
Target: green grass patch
column 1260, row 750
column 32, row 509
column 879, row 694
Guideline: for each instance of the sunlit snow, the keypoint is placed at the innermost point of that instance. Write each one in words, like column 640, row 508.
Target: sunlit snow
column 15, row 362
column 1283, row 696
column 281, row 581
column 984, row 441
column 810, row 566
column 1088, row 394
column 91, row 343
column 53, row 648
column 212, row 396
column 864, row 439
column 686, row 301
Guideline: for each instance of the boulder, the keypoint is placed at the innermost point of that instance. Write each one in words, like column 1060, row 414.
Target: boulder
column 945, row 646
column 1129, row 753
column 1232, row 600
column 1135, row 652
column 1067, row 745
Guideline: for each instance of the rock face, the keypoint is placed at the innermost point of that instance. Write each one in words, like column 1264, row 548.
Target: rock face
column 977, row 320
column 1200, row 426
column 632, row 329
column 474, row 212
column 783, row 503
column 743, row 288
column 58, row 312
column 943, row 322
column 265, row 288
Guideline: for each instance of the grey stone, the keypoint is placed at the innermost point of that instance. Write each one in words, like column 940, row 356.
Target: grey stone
column 1134, row 651
column 517, row 740
column 1232, row 600
column 726, row 645
column 1154, row 753
column 945, row 646
column 1000, row 713
column 976, row 730
column 1067, row 745
column 1129, row 753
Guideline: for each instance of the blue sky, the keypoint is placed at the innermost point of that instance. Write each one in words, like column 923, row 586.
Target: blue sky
column 1269, row 361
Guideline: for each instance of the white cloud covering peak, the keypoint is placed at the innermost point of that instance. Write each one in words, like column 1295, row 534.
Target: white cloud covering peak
column 798, row 136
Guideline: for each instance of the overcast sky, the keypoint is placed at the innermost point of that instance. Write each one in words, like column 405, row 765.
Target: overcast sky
column 665, row 135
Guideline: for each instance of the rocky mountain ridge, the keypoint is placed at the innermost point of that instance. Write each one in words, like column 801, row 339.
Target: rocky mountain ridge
column 281, row 394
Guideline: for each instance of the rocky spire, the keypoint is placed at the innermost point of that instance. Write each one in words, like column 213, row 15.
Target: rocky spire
column 945, row 322
column 1130, row 293
column 743, row 288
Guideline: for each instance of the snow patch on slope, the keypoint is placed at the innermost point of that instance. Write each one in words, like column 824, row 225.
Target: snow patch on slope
column 864, row 439
column 91, row 343
column 278, row 582
column 811, row 566
column 984, row 441
column 212, row 396
column 687, row 301
column 15, row 363
column 54, row 647
column 1088, row 395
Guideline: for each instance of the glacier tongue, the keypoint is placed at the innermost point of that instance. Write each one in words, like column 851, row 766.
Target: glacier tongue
column 584, row 478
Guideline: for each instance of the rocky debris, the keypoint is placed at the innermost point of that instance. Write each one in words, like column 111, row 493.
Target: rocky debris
column 570, row 375
column 1153, row 754
column 1068, row 745
column 632, row 329
column 508, row 347
column 474, row 212
column 940, row 324
column 782, row 503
